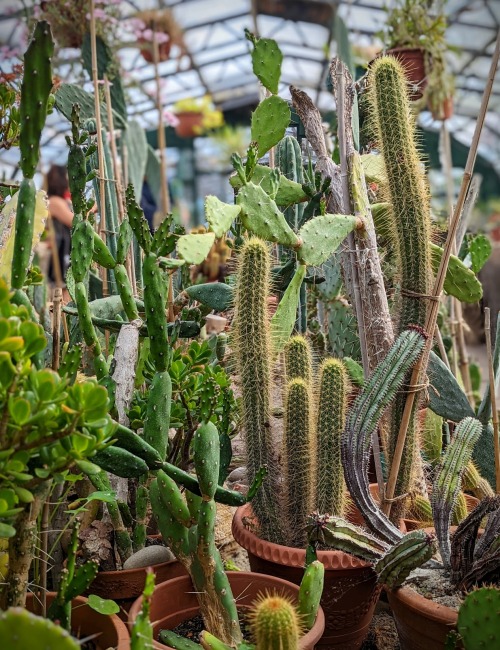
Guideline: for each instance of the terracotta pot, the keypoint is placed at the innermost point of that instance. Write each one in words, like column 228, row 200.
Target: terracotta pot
column 413, row 62
column 189, row 124
column 421, row 623
column 110, row 631
column 175, row 601
column 125, row 586
column 350, row 593
column 445, row 110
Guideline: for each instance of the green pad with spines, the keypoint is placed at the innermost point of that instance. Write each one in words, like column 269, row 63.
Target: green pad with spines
column 322, row 236
column 330, row 422
column 102, row 254
column 479, row 250
column 194, row 248
column 125, row 236
column 137, row 221
column 460, row 282
column 283, row 320
column 446, row 397
column 260, row 215
column 266, row 62
column 478, row 619
column 219, row 215
column 269, row 123
column 82, row 248
column 299, row 460
column 35, row 91
column 120, row 462
column 24, row 228
column 216, row 295
column 125, row 291
column 206, row 448
column 342, row 330
column 288, row 191
column 310, row 592
column 173, row 499
column 24, row 631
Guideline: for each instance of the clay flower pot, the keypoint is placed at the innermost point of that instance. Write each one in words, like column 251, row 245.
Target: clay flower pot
column 413, row 62
column 147, row 51
column 109, row 631
column 445, row 110
column 175, row 601
column 350, row 592
column 421, row 623
column 189, row 124
column 125, row 586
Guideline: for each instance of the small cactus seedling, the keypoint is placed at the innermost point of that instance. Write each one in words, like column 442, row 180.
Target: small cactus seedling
column 275, row 624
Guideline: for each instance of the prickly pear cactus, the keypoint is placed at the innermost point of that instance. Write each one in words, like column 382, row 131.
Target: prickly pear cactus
column 24, row 631
column 478, row 619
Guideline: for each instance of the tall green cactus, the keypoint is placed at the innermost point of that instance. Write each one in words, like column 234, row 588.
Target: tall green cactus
column 410, row 229
column 299, row 460
column 35, row 90
column 253, row 355
column 330, row 422
column 275, row 624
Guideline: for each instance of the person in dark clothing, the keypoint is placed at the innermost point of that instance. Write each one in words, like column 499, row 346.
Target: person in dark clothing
column 148, row 204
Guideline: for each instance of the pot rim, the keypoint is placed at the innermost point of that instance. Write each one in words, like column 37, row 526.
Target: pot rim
column 175, row 584
column 286, row 555
column 107, row 575
column 414, row 601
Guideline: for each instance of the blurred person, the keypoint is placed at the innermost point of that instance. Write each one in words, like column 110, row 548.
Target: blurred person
column 61, row 214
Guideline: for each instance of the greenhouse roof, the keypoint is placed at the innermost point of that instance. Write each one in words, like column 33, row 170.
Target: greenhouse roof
column 214, row 56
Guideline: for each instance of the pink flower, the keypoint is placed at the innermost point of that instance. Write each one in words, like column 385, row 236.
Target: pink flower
column 148, row 34
column 171, row 118
column 99, row 14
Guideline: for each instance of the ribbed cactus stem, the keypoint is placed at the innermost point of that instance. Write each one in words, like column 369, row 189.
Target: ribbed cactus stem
column 409, row 200
column 330, row 423
column 275, row 624
column 449, row 478
column 460, row 510
column 253, row 353
column 298, row 457
column 472, row 481
column 298, row 359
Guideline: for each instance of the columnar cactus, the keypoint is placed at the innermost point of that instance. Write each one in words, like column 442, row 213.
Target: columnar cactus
column 299, row 452
column 410, row 229
column 35, row 92
column 330, row 422
column 298, row 359
column 253, row 355
column 274, row 624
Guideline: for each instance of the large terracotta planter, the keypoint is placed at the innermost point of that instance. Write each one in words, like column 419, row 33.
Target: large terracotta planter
column 350, row 592
column 421, row 623
column 413, row 62
column 109, row 631
column 175, row 601
column 125, row 586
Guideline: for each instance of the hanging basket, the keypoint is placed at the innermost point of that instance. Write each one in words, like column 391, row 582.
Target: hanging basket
column 413, row 61
column 445, row 110
column 190, row 124
column 163, row 50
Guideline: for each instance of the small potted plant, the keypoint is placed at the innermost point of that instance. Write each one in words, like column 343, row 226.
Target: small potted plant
column 415, row 34
column 158, row 24
column 196, row 116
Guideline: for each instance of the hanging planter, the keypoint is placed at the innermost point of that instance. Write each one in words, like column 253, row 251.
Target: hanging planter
column 147, row 51
column 161, row 25
column 413, row 61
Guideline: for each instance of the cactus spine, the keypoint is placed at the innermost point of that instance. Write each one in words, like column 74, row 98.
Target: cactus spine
column 299, row 460
column 253, row 354
column 330, row 422
column 274, row 624
column 411, row 227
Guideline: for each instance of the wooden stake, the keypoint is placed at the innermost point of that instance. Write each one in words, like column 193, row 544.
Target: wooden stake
column 420, row 367
column 493, row 397
column 114, row 153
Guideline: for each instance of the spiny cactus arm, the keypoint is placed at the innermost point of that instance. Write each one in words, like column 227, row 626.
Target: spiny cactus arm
column 377, row 394
column 409, row 553
column 155, row 298
column 464, row 539
column 472, row 481
column 310, row 592
column 210, row 642
column 344, row 536
column 174, row 533
column 299, row 461
column 448, row 481
column 157, row 420
column 485, row 570
column 490, row 534
column 141, row 634
column 176, row 641
column 298, row 359
column 330, row 423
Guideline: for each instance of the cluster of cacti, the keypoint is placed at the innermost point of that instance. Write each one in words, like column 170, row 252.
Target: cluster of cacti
column 210, row 269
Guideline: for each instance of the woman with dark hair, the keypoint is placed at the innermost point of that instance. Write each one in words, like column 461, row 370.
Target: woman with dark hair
column 62, row 217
